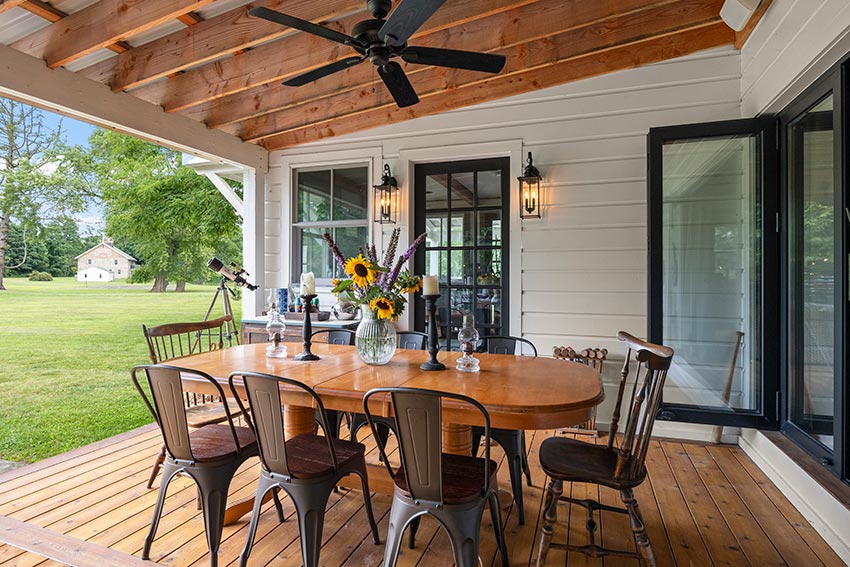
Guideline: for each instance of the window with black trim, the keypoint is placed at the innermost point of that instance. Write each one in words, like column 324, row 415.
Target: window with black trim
column 329, row 199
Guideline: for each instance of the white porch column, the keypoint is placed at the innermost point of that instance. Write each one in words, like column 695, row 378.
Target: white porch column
column 253, row 238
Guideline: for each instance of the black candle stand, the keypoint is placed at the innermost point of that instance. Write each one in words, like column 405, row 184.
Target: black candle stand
column 307, row 329
column 433, row 347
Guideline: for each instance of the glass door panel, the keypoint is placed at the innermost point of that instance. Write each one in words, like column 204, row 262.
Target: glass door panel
column 459, row 205
column 811, row 176
column 708, row 252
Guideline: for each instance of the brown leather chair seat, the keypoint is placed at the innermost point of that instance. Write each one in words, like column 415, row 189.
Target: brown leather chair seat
column 309, row 457
column 215, row 441
column 463, row 477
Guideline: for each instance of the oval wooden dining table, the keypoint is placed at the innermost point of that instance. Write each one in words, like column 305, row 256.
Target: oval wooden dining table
column 519, row 392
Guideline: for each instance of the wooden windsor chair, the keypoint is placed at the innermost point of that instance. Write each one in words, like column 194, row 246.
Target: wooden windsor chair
column 595, row 358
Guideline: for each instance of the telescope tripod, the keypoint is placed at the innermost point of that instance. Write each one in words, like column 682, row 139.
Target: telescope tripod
column 229, row 326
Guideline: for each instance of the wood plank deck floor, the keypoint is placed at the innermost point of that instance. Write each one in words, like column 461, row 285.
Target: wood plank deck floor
column 704, row 505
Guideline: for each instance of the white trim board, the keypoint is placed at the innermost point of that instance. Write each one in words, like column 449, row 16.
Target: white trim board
column 29, row 80
column 826, row 515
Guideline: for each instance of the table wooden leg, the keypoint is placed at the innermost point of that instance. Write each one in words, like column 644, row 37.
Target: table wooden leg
column 457, row 439
column 297, row 420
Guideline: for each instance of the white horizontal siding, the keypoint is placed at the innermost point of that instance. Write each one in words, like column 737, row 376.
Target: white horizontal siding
column 582, row 267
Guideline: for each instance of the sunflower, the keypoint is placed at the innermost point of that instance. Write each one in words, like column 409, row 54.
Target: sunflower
column 360, row 270
column 414, row 287
column 384, row 307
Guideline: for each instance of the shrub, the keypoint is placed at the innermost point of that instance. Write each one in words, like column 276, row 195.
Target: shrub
column 41, row 277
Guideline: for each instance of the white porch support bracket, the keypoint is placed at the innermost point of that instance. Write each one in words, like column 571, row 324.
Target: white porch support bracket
column 253, row 239
column 227, row 191
column 29, row 80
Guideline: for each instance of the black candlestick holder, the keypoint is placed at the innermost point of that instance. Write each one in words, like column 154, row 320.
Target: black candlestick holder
column 307, row 329
column 433, row 346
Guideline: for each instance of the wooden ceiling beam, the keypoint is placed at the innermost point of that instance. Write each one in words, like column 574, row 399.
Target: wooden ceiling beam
column 6, row 5
column 638, row 53
column 190, row 18
column 597, row 37
column 267, row 63
column 100, row 25
column 541, row 19
column 211, row 39
column 51, row 14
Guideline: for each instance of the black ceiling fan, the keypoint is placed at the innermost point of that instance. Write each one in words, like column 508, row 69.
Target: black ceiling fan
column 380, row 39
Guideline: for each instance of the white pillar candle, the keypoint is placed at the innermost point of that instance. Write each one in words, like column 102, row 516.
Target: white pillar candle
column 308, row 284
column 430, row 285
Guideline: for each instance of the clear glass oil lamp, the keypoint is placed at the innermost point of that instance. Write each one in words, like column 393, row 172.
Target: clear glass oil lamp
column 468, row 339
column 275, row 328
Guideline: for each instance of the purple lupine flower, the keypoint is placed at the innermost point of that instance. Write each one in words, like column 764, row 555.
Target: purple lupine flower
column 389, row 256
column 334, row 249
column 408, row 254
column 373, row 255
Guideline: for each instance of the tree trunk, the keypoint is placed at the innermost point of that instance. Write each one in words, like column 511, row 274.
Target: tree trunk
column 160, row 283
column 181, row 286
column 5, row 221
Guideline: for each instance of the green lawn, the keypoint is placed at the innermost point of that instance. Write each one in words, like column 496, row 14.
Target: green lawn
column 66, row 350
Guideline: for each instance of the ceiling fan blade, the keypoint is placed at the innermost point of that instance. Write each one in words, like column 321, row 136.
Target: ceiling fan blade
column 303, row 25
column 454, row 58
column 334, row 67
column 406, row 19
column 398, row 85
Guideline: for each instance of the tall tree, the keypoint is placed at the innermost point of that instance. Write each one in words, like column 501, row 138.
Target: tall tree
column 34, row 177
column 173, row 218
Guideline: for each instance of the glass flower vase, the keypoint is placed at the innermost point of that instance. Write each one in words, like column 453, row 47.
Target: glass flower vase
column 375, row 338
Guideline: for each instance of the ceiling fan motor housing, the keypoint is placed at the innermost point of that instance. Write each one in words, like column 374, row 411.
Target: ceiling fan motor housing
column 379, row 8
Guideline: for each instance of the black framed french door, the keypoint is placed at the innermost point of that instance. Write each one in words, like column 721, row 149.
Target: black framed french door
column 815, row 272
column 462, row 207
column 712, row 277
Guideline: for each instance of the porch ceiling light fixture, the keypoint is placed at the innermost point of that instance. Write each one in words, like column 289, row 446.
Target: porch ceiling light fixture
column 385, row 198
column 529, row 191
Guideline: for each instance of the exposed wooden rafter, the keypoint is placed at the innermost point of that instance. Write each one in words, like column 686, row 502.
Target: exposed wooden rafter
column 225, row 70
column 541, row 20
column 100, row 25
column 632, row 55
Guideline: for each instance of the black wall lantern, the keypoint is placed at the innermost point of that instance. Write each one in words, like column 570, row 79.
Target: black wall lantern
column 385, row 199
column 529, row 191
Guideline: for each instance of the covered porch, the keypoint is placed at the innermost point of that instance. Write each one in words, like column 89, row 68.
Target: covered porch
column 584, row 84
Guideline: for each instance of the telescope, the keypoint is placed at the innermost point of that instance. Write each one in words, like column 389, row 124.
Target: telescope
column 237, row 275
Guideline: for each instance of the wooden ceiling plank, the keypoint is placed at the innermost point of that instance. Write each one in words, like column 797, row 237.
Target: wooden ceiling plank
column 541, row 19
column 43, row 10
column 100, row 25
column 266, row 64
column 211, row 39
column 598, row 37
column 190, row 18
column 6, row 5
column 643, row 52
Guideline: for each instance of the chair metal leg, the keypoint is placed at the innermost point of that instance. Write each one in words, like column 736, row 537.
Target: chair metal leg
column 401, row 516
column 411, row 533
column 513, row 443
column 367, row 501
column 168, row 472
column 310, row 502
column 214, row 484
column 638, row 527
column 550, row 516
column 464, row 529
column 264, row 484
column 526, row 469
column 498, row 528
column 278, row 506
column 156, row 466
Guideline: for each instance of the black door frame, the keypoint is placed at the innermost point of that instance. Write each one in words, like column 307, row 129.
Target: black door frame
column 835, row 82
column 767, row 417
column 421, row 170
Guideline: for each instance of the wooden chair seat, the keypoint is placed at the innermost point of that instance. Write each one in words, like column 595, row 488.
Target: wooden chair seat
column 463, row 477
column 215, row 442
column 571, row 460
column 308, row 455
column 208, row 413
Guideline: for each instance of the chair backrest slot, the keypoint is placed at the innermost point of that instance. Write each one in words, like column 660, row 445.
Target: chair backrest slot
column 505, row 344
column 412, row 340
